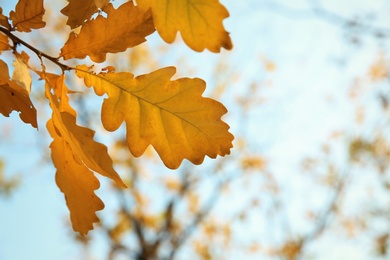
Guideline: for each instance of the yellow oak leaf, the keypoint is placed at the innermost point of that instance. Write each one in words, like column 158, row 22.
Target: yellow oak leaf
column 172, row 116
column 4, row 20
column 75, row 155
column 21, row 73
column 123, row 28
column 199, row 22
column 79, row 11
column 13, row 97
column 28, row 15
column 4, row 42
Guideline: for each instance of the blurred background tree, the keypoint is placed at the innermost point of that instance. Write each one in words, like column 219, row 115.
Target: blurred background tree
column 307, row 88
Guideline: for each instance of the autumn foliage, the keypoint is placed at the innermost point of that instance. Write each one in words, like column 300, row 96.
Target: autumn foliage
column 171, row 115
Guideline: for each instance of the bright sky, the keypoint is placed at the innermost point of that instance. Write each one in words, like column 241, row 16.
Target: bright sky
column 304, row 101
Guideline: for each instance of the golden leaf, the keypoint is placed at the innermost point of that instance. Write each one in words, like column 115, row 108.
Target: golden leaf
column 21, row 73
column 79, row 11
column 75, row 155
column 28, row 15
column 77, row 183
column 4, row 42
column 123, row 28
column 170, row 115
column 199, row 22
column 57, row 83
column 14, row 97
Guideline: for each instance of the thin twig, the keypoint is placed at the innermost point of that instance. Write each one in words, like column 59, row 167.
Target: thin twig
column 16, row 40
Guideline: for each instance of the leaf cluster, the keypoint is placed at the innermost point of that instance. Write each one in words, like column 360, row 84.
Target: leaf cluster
column 170, row 115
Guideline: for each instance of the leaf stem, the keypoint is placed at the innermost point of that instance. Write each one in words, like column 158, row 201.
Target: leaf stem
column 17, row 40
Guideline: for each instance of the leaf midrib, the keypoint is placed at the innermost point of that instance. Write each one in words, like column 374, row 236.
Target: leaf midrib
column 147, row 101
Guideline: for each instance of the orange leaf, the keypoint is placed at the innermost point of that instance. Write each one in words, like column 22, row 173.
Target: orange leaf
column 123, row 28
column 75, row 154
column 79, row 11
column 93, row 154
column 198, row 21
column 77, row 183
column 170, row 115
column 4, row 42
column 28, row 15
column 57, row 83
column 14, row 97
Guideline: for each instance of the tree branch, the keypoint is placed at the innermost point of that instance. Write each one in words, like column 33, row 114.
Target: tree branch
column 16, row 40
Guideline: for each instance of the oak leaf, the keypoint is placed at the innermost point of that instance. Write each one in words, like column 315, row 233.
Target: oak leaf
column 77, row 182
column 199, row 22
column 28, row 15
column 57, row 83
column 4, row 42
column 13, row 97
column 4, row 20
column 21, row 73
column 170, row 115
column 80, row 11
column 75, row 155
column 123, row 28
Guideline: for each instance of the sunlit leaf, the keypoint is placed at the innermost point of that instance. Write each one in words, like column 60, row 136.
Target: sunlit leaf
column 198, row 21
column 170, row 115
column 77, row 183
column 75, row 155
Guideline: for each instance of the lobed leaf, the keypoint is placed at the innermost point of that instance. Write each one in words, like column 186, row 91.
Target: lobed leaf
column 13, row 97
column 198, row 21
column 172, row 116
column 28, row 15
column 80, row 11
column 4, row 42
column 77, row 183
column 75, row 155
column 123, row 28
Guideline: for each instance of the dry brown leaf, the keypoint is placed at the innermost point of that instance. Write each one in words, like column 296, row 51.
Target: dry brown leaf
column 170, row 115
column 123, row 28
column 15, row 98
column 57, row 83
column 28, row 15
column 91, row 153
